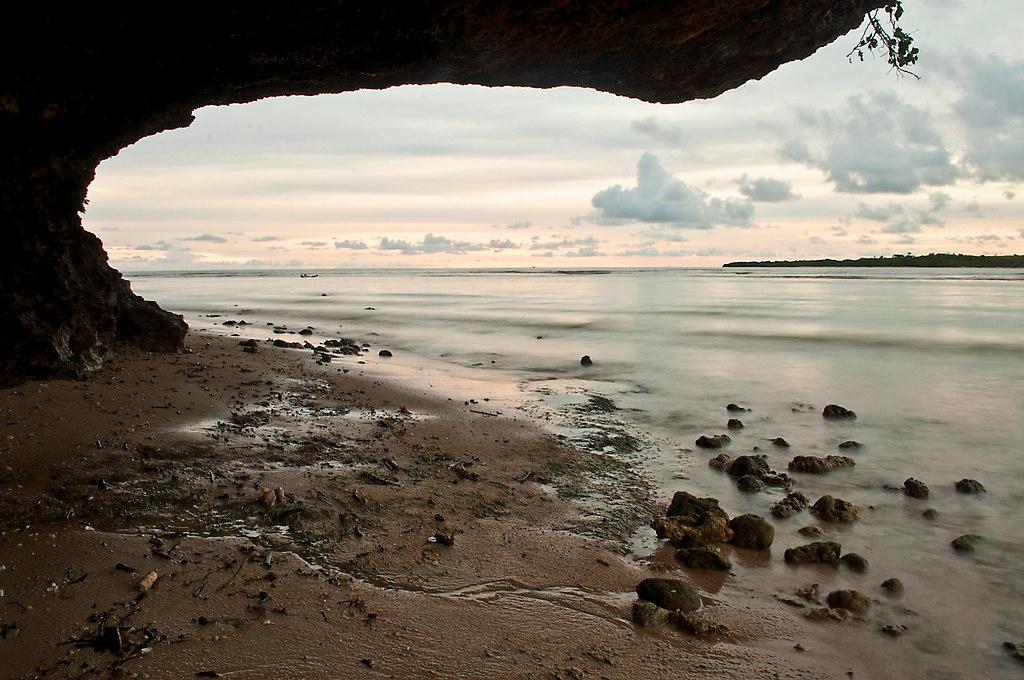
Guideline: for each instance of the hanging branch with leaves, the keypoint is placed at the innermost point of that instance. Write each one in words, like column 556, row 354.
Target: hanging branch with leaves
column 884, row 35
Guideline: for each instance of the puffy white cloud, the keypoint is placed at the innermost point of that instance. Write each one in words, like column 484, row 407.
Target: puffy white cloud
column 350, row 245
column 766, row 189
column 660, row 198
column 875, row 144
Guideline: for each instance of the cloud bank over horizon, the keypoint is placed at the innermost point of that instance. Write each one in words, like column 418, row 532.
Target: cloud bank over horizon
column 821, row 158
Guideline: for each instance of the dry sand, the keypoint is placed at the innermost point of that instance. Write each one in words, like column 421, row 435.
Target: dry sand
column 296, row 518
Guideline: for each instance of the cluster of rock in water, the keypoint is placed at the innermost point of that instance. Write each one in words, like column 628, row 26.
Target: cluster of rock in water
column 696, row 527
column 323, row 353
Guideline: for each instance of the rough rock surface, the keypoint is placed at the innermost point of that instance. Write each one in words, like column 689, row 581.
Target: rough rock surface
column 669, row 593
column 892, row 586
column 855, row 562
column 915, row 488
column 832, row 509
column 966, row 542
column 851, row 600
column 715, row 441
column 92, row 79
column 817, row 465
column 969, row 486
column 704, row 557
column 819, row 552
column 790, row 505
column 752, row 531
column 749, row 484
column 754, row 466
column 836, row 412
column 682, row 531
column 687, row 505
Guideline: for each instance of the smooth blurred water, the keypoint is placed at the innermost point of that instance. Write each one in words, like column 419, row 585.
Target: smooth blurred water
column 931, row 360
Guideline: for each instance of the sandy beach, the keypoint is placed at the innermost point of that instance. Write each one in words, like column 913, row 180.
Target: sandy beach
column 223, row 513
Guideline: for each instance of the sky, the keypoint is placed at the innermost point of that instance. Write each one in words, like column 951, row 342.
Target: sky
column 821, row 158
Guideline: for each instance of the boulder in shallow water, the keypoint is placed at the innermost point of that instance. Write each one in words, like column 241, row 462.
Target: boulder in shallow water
column 855, row 562
column 721, row 462
column 893, row 586
column 704, row 557
column 680, row 531
column 752, row 531
column 669, row 593
column 716, row 441
column 816, row 465
column 930, row 513
column 1015, row 649
column 852, row 600
column 780, row 442
column 850, row 444
column 756, row 466
column 818, row 552
column 915, row 488
column 790, row 505
column 687, row 505
column 736, row 408
column 384, row 353
column 966, row 543
column 734, row 424
column 832, row 509
column 969, row 486
column 749, row 484
column 585, row 360
column 837, row 412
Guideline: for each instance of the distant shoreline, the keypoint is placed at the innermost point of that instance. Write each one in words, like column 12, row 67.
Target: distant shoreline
column 933, row 260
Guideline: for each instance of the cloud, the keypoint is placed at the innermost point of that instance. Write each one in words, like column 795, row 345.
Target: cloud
column 314, row 245
column 564, row 243
column 766, row 190
column 660, row 198
column 504, row 244
column 903, row 225
column 991, row 110
column 878, row 213
column 669, row 135
column 839, row 231
column 159, row 245
column 905, row 240
column 208, row 238
column 430, row 244
column 817, row 240
column 350, row 245
column 866, row 240
column 905, row 220
column 265, row 239
column 876, row 144
column 1009, row 195
column 519, row 225
column 589, row 251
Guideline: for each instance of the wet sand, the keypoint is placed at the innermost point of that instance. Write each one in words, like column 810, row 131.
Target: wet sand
column 296, row 517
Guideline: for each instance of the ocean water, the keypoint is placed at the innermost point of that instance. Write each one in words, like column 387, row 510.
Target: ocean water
column 931, row 360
